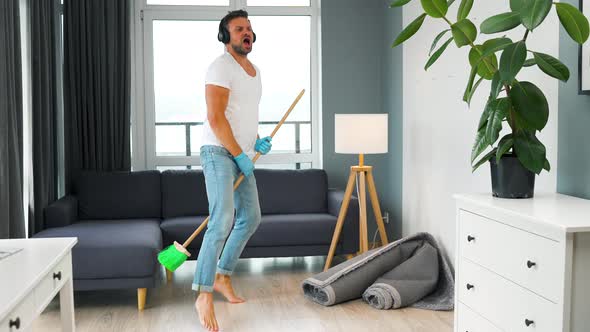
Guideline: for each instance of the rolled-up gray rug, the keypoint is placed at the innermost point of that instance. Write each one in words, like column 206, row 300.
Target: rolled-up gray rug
column 406, row 283
column 425, row 282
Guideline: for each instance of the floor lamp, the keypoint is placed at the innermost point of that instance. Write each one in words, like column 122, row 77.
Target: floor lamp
column 360, row 134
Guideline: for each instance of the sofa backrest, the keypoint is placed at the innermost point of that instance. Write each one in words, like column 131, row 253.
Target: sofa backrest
column 292, row 191
column 184, row 193
column 118, row 195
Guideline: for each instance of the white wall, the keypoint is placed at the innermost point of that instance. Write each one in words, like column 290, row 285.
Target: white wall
column 439, row 129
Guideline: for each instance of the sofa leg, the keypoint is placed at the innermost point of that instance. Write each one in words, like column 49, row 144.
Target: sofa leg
column 168, row 275
column 141, row 294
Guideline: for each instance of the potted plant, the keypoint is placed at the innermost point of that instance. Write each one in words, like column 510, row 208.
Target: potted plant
column 518, row 156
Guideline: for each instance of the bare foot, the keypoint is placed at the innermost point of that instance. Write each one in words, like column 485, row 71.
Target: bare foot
column 204, row 305
column 223, row 285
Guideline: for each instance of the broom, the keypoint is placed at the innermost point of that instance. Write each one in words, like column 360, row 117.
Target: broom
column 175, row 254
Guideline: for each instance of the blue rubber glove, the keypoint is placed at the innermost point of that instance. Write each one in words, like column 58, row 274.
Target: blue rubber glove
column 245, row 164
column 263, row 145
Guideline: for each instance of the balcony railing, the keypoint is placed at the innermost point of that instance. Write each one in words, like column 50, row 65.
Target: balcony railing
column 187, row 129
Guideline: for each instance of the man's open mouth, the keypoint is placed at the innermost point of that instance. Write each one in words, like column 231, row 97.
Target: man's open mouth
column 247, row 41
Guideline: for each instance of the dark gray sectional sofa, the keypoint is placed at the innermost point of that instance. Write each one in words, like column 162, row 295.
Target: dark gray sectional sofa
column 123, row 220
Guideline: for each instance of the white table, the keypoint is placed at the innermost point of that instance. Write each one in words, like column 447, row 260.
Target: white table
column 30, row 278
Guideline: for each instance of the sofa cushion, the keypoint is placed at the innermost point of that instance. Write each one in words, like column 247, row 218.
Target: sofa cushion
column 294, row 229
column 180, row 228
column 184, row 193
column 118, row 195
column 112, row 248
column 287, row 191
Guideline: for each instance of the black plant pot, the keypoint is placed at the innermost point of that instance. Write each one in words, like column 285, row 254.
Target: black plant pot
column 510, row 179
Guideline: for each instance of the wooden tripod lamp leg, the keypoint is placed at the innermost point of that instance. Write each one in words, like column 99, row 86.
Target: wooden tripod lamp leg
column 376, row 208
column 340, row 222
column 364, row 240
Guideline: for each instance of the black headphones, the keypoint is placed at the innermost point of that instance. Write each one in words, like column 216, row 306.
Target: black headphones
column 223, row 34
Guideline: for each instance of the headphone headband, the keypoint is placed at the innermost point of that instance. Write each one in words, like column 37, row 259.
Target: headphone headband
column 223, row 34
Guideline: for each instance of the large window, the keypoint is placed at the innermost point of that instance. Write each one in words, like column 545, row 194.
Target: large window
column 176, row 40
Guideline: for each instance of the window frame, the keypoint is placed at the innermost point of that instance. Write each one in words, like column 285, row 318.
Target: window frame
column 142, row 79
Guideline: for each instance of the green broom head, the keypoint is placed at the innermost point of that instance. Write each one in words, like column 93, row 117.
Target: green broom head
column 173, row 256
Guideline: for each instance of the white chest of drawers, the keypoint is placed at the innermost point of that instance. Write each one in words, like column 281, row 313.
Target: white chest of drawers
column 522, row 265
column 31, row 278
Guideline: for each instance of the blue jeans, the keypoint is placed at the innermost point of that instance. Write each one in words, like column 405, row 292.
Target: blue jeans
column 221, row 172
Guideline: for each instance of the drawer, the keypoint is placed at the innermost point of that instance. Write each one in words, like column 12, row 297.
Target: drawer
column 23, row 315
column 470, row 321
column 505, row 304
column 52, row 282
column 532, row 261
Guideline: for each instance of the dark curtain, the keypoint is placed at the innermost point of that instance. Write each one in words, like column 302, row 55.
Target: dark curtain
column 12, row 224
column 96, row 86
column 44, row 45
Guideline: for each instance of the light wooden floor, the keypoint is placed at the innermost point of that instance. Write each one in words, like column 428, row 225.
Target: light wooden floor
column 274, row 303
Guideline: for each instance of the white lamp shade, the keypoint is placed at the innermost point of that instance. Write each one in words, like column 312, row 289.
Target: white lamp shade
column 360, row 133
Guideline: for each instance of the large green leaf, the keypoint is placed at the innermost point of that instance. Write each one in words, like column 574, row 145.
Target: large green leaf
column 399, row 3
column 483, row 120
column 530, row 151
column 529, row 62
column 438, row 53
column 498, row 112
column 530, row 104
column 500, row 22
column 546, row 165
column 464, row 32
column 518, row 121
column 435, row 8
column 517, row 5
column 483, row 160
column 574, row 22
column 472, row 92
column 450, row 2
column 486, row 66
column 464, row 9
column 534, row 13
column 469, row 86
column 436, row 39
column 496, row 85
column 512, row 60
column 409, row 31
column 480, row 144
column 503, row 146
column 494, row 45
column 552, row 66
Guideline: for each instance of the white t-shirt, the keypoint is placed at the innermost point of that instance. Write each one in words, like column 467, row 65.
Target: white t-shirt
column 242, row 107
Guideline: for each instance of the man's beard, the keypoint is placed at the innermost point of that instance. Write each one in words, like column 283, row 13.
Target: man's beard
column 239, row 49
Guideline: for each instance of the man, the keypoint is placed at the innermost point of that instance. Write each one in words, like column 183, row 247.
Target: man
column 232, row 91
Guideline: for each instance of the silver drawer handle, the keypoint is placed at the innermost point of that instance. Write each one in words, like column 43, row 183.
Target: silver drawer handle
column 528, row 322
column 530, row 264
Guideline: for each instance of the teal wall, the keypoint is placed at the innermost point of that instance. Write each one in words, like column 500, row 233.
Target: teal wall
column 362, row 74
column 573, row 164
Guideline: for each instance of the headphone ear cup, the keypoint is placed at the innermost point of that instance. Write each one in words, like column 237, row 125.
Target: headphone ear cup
column 223, row 34
column 254, row 40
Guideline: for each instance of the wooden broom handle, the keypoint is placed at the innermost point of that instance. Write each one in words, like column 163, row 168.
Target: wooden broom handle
column 241, row 178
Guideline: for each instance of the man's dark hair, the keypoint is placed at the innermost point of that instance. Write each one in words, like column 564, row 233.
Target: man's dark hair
column 231, row 15
column 223, row 35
